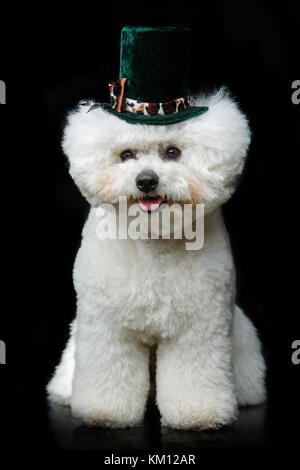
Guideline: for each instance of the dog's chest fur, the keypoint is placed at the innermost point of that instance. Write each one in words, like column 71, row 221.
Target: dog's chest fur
column 152, row 287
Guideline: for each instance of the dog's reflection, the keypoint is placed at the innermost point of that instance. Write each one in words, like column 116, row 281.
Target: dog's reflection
column 71, row 433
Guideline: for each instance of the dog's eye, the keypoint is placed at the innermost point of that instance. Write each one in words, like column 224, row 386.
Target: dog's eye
column 126, row 155
column 172, row 153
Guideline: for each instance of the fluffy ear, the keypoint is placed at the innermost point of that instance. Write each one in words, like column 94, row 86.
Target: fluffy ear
column 220, row 139
column 82, row 143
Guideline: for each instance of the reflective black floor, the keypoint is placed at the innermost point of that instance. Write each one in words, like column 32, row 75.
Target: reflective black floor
column 249, row 430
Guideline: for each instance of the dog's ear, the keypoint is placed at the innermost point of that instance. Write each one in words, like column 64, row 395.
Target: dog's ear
column 220, row 138
column 82, row 130
column 83, row 143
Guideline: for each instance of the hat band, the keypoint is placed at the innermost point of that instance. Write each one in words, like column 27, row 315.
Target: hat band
column 157, row 109
column 121, row 103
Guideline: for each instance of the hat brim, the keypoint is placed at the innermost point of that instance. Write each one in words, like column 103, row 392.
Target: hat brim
column 161, row 120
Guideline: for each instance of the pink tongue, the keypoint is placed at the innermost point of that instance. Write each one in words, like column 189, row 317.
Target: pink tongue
column 150, row 203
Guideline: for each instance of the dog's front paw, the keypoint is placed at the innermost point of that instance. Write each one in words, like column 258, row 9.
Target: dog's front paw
column 106, row 418
column 105, row 414
column 198, row 414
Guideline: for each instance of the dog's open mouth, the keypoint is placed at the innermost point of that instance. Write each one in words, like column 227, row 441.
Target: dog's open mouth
column 149, row 203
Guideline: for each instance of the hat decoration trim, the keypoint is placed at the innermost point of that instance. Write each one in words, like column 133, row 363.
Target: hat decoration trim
column 119, row 102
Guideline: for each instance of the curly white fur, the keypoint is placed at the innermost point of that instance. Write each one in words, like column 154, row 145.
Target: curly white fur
column 132, row 294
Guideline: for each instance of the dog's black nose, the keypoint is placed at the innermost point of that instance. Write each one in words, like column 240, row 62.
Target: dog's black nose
column 147, row 181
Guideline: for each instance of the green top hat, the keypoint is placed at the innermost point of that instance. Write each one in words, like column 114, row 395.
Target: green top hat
column 154, row 83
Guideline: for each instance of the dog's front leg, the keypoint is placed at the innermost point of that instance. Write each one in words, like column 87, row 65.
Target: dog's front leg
column 111, row 380
column 195, row 385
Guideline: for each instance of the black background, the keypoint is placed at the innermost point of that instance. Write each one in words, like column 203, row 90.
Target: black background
column 56, row 53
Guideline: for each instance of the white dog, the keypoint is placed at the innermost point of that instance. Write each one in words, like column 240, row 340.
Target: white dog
column 132, row 294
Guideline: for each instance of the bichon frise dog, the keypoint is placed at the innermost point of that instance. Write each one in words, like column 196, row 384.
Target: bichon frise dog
column 133, row 294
